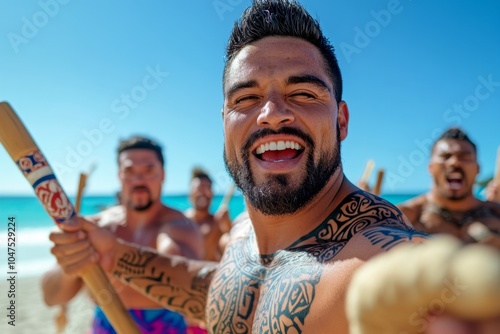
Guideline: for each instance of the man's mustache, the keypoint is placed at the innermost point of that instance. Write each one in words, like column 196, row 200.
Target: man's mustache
column 140, row 188
column 283, row 131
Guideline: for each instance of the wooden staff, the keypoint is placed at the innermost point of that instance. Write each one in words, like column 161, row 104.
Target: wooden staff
column 227, row 198
column 497, row 170
column 24, row 151
column 378, row 185
column 61, row 319
column 365, row 178
column 82, row 183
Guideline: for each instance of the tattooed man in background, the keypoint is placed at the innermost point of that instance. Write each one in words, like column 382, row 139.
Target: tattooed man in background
column 286, row 268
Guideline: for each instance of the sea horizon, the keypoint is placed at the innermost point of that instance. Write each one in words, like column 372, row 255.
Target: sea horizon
column 33, row 224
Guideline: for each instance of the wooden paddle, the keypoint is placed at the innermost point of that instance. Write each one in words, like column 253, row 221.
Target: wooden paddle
column 82, row 183
column 365, row 178
column 227, row 198
column 23, row 150
column 378, row 185
column 497, row 169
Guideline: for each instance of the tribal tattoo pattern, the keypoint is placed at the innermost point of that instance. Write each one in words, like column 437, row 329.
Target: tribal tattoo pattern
column 140, row 269
column 273, row 293
column 270, row 293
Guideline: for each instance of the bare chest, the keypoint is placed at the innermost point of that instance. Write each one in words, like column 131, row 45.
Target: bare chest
column 437, row 220
column 249, row 297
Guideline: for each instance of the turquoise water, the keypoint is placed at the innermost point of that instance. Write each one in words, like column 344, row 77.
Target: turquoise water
column 33, row 225
column 30, row 214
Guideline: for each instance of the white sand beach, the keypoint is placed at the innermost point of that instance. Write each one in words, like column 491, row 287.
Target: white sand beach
column 33, row 316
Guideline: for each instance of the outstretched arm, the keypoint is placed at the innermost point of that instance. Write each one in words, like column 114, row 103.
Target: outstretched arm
column 59, row 288
column 175, row 282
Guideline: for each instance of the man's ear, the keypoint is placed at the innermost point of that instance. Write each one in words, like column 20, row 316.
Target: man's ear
column 343, row 119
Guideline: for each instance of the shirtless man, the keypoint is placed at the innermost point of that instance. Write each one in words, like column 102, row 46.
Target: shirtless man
column 143, row 220
column 286, row 267
column 450, row 206
column 212, row 227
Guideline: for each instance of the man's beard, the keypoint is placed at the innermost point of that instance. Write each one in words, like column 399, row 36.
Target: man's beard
column 276, row 197
column 143, row 207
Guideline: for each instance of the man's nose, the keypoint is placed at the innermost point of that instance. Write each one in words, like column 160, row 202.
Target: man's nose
column 275, row 113
column 453, row 160
column 138, row 178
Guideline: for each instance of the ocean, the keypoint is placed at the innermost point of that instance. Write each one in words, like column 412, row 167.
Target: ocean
column 33, row 225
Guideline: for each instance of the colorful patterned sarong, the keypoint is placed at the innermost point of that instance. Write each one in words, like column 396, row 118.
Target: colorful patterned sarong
column 150, row 321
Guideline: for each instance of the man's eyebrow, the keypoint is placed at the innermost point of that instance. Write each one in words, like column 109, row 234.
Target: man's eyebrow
column 307, row 79
column 240, row 85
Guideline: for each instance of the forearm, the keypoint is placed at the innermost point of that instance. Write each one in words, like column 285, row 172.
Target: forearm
column 175, row 282
column 59, row 288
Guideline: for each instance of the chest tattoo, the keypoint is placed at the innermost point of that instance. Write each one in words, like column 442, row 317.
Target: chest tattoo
column 282, row 286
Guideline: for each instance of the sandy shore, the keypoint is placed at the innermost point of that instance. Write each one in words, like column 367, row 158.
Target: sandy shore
column 33, row 316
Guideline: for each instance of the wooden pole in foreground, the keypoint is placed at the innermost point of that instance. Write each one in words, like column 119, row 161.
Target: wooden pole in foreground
column 61, row 319
column 23, row 150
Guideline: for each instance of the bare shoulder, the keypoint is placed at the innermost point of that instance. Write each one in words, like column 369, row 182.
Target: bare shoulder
column 172, row 220
column 494, row 207
column 392, row 229
column 177, row 235
column 112, row 216
column 358, row 227
column 413, row 207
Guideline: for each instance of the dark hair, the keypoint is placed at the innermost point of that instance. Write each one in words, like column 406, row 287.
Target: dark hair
column 457, row 134
column 285, row 18
column 200, row 173
column 138, row 142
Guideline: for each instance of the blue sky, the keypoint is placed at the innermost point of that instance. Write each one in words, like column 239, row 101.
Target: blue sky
column 83, row 74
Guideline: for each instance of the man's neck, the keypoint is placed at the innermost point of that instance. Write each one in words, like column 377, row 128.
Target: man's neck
column 143, row 218
column 278, row 232
column 201, row 215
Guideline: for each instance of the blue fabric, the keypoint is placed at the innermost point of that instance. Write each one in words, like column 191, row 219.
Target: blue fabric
column 150, row 321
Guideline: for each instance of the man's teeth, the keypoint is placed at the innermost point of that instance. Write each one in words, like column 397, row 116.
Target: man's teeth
column 277, row 146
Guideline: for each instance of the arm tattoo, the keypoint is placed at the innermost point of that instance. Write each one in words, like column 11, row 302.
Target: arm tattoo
column 357, row 212
column 154, row 277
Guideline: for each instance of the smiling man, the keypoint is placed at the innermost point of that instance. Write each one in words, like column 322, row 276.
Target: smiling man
column 287, row 266
column 450, row 207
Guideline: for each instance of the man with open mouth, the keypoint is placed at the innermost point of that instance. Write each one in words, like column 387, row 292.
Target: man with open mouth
column 450, row 207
